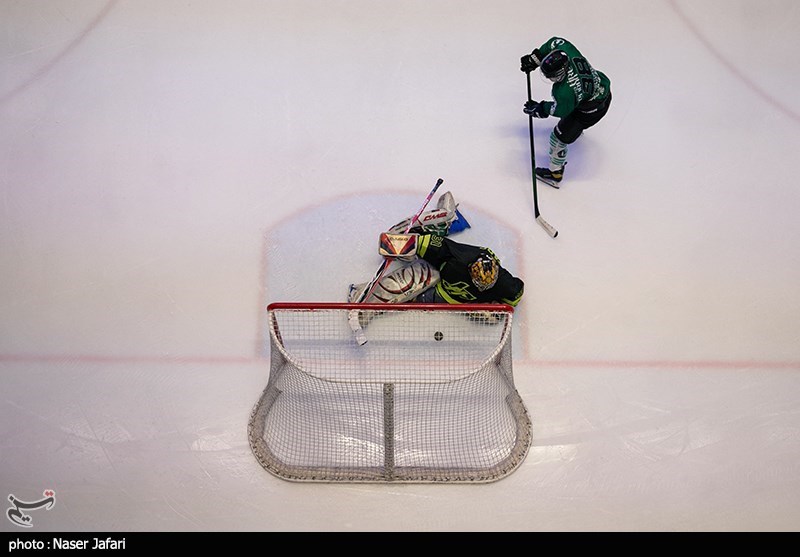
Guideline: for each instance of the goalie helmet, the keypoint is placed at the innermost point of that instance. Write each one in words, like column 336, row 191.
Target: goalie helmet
column 554, row 65
column 484, row 272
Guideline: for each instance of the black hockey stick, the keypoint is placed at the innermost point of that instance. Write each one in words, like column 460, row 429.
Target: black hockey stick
column 353, row 315
column 546, row 225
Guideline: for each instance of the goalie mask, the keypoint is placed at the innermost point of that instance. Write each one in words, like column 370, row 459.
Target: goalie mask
column 484, row 272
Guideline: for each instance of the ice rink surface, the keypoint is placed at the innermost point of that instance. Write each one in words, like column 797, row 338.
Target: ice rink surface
column 168, row 168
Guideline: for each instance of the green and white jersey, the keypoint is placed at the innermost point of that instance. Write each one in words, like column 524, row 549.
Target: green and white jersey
column 584, row 87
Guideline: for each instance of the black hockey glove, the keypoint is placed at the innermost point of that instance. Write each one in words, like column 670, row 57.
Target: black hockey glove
column 536, row 109
column 531, row 61
column 527, row 63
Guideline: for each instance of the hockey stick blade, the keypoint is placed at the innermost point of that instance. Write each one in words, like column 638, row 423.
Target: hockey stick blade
column 352, row 318
column 547, row 226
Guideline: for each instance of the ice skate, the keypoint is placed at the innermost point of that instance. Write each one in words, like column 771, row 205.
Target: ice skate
column 550, row 177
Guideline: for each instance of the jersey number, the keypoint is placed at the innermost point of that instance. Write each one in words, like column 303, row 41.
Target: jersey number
column 585, row 73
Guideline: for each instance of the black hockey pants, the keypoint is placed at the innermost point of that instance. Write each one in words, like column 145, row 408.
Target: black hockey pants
column 571, row 126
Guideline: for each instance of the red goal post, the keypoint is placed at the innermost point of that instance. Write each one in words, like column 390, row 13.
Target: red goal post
column 429, row 398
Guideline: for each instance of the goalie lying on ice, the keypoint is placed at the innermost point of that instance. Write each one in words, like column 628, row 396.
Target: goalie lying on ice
column 436, row 269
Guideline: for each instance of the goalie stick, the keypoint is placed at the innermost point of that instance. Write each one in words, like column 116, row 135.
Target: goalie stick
column 352, row 317
column 546, row 225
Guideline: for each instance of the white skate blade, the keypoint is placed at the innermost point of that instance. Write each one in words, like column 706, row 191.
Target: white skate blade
column 549, row 182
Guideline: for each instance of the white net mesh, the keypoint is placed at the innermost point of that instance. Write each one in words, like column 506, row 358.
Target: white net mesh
column 429, row 398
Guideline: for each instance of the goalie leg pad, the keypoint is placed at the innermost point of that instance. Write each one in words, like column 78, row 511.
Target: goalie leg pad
column 446, row 203
column 435, row 221
column 401, row 285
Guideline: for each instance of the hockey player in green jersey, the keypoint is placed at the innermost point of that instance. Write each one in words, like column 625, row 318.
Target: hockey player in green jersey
column 581, row 97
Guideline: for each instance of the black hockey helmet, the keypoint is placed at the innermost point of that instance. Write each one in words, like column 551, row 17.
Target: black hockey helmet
column 554, row 65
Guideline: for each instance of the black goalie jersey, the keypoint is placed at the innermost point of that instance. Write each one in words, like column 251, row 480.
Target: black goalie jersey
column 452, row 260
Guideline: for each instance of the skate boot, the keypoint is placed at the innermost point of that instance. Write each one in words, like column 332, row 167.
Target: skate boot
column 550, row 177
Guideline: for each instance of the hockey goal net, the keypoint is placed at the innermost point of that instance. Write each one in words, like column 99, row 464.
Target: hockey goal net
column 429, row 398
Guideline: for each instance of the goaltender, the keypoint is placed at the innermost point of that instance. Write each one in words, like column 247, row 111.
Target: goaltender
column 437, row 269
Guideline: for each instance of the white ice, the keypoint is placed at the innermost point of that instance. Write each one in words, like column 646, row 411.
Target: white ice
column 168, row 168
